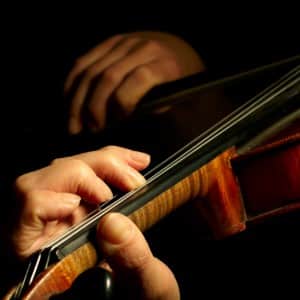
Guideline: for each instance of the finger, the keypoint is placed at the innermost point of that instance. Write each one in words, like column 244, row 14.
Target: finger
column 45, row 215
column 91, row 57
column 82, row 180
column 75, row 118
column 136, row 159
column 130, row 257
column 116, row 53
column 143, row 79
column 111, row 78
column 67, row 175
column 49, row 206
column 117, row 166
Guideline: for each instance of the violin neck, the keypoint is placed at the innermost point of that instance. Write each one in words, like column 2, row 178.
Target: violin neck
column 214, row 180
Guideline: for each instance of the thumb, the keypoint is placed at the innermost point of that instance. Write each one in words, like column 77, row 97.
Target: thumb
column 122, row 242
column 131, row 259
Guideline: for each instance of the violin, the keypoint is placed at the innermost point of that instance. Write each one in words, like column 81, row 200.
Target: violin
column 209, row 167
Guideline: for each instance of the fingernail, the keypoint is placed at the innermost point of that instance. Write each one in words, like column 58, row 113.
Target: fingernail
column 115, row 229
column 73, row 200
column 136, row 179
column 74, row 127
column 140, row 156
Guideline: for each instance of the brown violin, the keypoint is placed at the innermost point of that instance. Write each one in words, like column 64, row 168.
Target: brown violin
column 209, row 167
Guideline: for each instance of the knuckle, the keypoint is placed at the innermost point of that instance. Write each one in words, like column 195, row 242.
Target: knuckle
column 125, row 103
column 21, row 183
column 132, row 40
column 110, row 148
column 115, row 38
column 74, row 166
column 139, row 261
column 143, row 74
column 111, row 75
column 153, row 46
column 111, row 160
column 121, row 98
column 111, row 155
column 57, row 160
column 78, row 166
column 174, row 68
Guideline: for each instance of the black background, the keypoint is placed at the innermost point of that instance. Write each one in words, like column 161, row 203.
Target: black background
column 39, row 45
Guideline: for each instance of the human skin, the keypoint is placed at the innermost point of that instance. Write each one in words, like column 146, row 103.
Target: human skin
column 118, row 72
column 51, row 201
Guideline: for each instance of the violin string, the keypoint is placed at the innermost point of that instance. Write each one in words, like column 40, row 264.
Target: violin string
column 246, row 110
column 229, row 118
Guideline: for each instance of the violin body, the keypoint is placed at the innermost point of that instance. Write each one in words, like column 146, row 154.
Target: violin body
column 264, row 182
